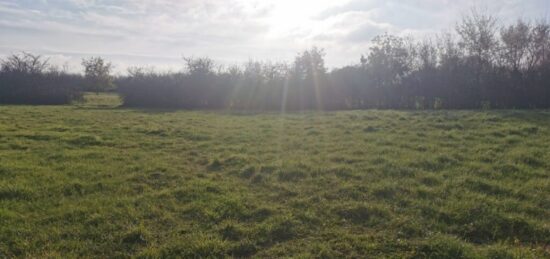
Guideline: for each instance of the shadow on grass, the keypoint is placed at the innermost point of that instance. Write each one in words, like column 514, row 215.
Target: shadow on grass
column 538, row 117
column 111, row 101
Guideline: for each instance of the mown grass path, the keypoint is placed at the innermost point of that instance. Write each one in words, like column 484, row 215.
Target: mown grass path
column 93, row 180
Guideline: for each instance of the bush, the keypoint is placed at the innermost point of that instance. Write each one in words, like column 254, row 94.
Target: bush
column 198, row 90
column 29, row 79
column 44, row 88
column 256, row 86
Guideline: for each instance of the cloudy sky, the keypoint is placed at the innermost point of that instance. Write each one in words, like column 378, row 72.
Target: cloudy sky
column 159, row 32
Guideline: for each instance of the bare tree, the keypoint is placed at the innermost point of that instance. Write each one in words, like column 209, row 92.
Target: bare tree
column 25, row 63
column 137, row 71
column 427, row 55
column 516, row 39
column 477, row 33
column 199, row 66
column 539, row 49
column 448, row 51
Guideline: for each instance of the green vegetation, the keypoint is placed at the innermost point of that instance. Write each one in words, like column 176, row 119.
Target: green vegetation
column 93, row 180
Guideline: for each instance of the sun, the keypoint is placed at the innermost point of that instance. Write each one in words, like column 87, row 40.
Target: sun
column 289, row 17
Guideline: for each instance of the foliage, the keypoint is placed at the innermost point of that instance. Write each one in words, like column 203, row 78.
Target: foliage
column 30, row 79
column 504, row 66
column 97, row 73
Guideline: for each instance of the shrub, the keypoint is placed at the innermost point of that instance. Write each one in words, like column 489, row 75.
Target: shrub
column 198, row 88
column 98, row 74
column 29, row 79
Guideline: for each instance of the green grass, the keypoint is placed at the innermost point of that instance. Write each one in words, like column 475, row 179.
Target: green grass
column 93, row 180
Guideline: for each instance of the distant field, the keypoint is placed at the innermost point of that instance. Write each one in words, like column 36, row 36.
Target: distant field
column 93, row 180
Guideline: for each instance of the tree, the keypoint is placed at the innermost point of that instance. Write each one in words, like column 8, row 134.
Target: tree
column 24, row 63
column 477, row 33
column 388, row 62
column 310, row 64
column 539, row 48
column 309, row 78
column 427, row 55
column 516, row 39
column 98, row 74
column 478, row 39
column 199, row 66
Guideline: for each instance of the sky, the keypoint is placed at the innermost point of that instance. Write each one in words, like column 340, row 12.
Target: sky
column 160, row 32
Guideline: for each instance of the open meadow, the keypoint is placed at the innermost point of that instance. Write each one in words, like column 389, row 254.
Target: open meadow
column 96, row 180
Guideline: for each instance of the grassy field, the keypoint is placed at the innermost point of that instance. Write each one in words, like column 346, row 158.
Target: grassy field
column 94, row 180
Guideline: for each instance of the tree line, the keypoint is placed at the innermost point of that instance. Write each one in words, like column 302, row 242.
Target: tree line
column 26, row 78
column 481, row 65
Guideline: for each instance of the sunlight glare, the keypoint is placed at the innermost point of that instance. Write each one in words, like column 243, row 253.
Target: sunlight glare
column 290, row 17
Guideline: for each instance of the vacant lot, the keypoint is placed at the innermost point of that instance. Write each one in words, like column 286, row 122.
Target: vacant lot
column 92, row 180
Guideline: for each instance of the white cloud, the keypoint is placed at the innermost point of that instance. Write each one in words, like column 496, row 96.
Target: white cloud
column 160, row 32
